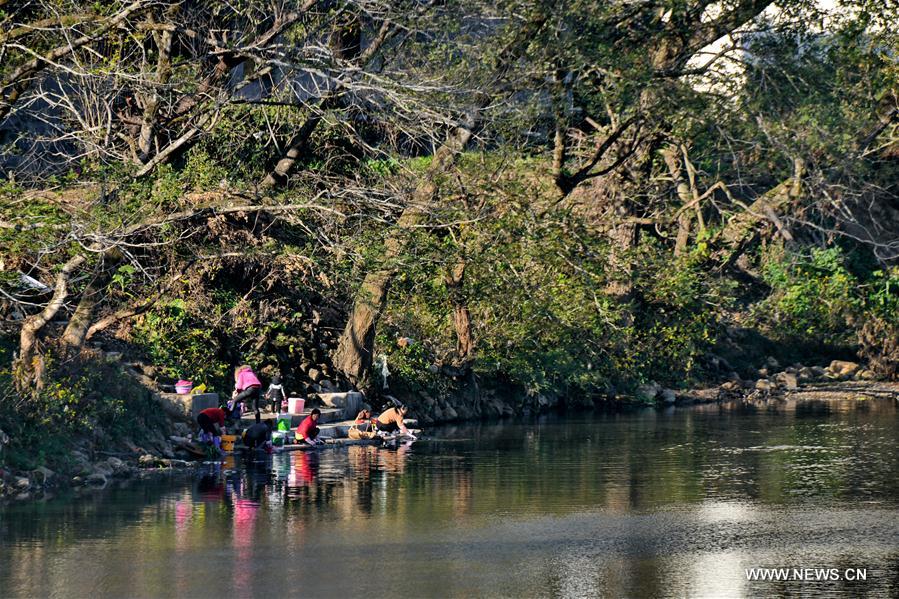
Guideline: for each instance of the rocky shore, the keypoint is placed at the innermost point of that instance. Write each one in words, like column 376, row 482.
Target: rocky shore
column 86, row 471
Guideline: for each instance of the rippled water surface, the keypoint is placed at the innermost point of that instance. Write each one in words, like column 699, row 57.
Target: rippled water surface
column 643, row 504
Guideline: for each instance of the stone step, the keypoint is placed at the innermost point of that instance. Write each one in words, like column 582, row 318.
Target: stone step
column 327, row 415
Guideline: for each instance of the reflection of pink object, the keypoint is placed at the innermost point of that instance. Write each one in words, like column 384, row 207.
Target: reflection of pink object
column 183, row 387
column 295, row 405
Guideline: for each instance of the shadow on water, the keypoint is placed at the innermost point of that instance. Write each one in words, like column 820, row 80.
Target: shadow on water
column 643, row 503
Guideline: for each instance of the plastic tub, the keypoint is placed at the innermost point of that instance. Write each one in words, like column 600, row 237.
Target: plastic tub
column 295, row 405
column 228, row 442
column 183, row 387
column 284, row 422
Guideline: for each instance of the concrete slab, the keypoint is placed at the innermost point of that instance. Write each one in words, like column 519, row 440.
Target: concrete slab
column 327, row 415
column 349, row 401
column 186, row 405
column 201, row 401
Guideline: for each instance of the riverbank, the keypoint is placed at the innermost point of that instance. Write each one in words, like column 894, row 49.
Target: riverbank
column 85, row 471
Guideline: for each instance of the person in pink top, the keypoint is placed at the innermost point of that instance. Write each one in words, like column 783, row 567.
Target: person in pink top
column 246, row 388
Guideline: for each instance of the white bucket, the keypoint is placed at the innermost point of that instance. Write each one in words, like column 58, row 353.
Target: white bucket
column 295, row 405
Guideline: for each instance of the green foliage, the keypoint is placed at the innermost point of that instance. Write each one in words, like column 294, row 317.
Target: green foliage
column 89, row 406
column 814, row 296
column 183, row 344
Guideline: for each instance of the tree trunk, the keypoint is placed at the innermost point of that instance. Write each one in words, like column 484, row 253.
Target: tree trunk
column 461, row 316
column 354, row 352
column 684, row 220
column 25, row 367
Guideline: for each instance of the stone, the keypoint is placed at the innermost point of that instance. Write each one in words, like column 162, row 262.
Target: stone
column 763, row 385
column 42, row 475
column 97, row 479
column 843, row 368
column 669, row 396
column 450, row 413
column 202, row 401
column 731, row 386
column 328, row 386
column 315, row 374
column 866, row 375
column 818, row 371
column 149, row 461
column 433, row 369
column 648, row 391
column 113, row 356
column 102, row 468
column 763, row 372
column 806, row 374
column 437, row 413
column 181, row 429
column 772, row 362
column 22, row 483
column 787, row 380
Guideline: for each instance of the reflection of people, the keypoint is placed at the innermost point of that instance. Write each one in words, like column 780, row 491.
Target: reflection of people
column 308, row 430
column 391, row 420
column 258, row 435
column 246, row 388
column 211, row 421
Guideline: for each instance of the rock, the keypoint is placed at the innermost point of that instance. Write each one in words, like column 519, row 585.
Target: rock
column 77, row 481
column 181, row 429
column 842, row 368
column 113, row 356
column 542, row 401
column 450, row 413
column 764, row 385
column 433, row 369
column 149, row 461
column 866, row 375
column 731, row 387
column 101, row 468
column 818, row 371
column 772, row 363
column 787, row 380
column 763, row 372
column 806, row 374
column 42, row 476
column 669, row 396
column 97, row 479
column 22, row 483
column 648, row 391
column 328, row 387
column 437, row 413
column 315, row 374
column 118, row 467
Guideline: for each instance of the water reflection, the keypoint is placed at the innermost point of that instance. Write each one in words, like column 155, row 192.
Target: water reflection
column 639, row 504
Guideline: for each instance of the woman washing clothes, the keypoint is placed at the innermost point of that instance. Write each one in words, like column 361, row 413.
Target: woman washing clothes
column 246, row 388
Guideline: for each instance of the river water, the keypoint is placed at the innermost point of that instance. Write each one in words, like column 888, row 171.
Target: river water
column 641, row 504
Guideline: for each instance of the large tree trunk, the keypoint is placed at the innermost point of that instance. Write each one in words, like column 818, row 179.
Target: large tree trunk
column 25, row 366
column 461, row 316
column 684, row 220
column 354, row 352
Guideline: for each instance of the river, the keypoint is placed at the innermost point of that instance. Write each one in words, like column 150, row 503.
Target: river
column 680, row 502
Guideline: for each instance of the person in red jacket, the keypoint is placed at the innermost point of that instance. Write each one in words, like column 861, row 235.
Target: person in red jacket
column 308, row 430
column 211, row 421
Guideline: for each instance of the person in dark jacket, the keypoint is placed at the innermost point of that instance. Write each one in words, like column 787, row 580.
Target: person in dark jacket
column 258, row 435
